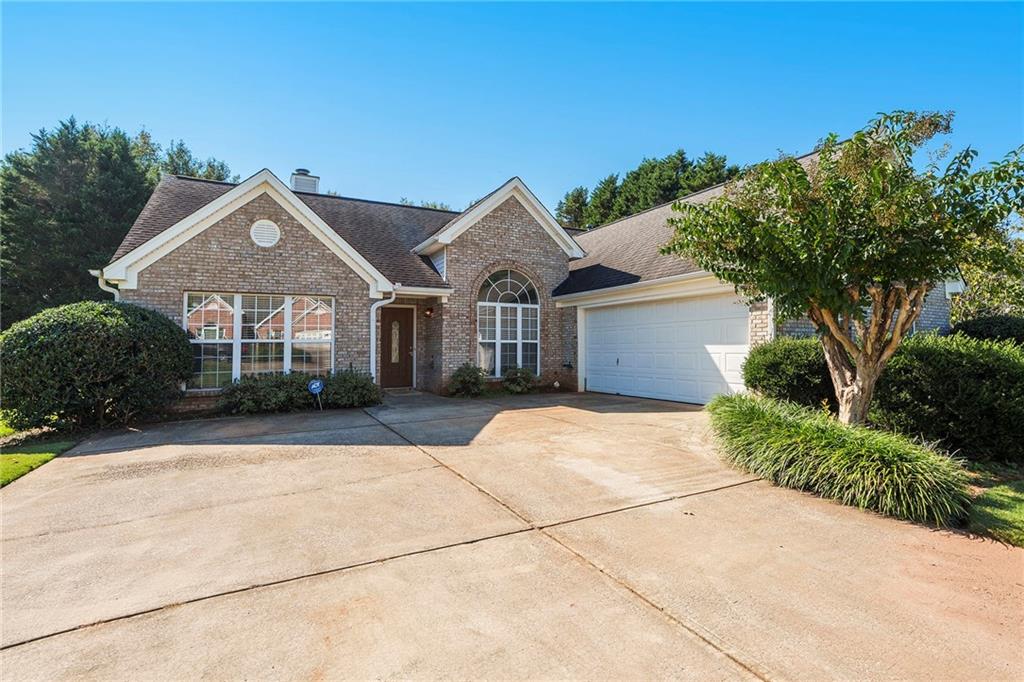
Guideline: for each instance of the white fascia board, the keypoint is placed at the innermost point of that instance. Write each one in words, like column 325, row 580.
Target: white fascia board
column 442, row 292
column 513, row 188
column 690, row 284
column 126, row 268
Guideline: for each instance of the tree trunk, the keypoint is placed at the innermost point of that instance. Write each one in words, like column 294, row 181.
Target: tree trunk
column 855, row 399
column 854, row 383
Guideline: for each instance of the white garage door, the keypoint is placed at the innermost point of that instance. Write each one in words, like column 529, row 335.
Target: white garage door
column 687, row 349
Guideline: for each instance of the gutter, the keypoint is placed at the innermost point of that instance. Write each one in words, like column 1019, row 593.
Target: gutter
column 104, row 285
column 373, row 328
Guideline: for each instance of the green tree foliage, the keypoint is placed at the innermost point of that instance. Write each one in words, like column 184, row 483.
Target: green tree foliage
column 66, row 204
column 991, row 292
column 601, row 207
column 855, row 238
column 571, row 209
column 652, row 183
column 438, row 205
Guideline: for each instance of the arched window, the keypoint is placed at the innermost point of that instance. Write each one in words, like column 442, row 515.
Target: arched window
column 508, row 324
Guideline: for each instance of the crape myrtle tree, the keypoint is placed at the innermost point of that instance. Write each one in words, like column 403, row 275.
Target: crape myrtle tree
column 855, row 237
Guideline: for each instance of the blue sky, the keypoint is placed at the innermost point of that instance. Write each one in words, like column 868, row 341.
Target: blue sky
column 445, row 102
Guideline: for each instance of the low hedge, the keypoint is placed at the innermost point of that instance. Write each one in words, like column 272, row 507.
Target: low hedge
column 91, row 364
column 966, row 394
column 806, row 449
column 994, row 328
column 790, row 369
column 290, row 393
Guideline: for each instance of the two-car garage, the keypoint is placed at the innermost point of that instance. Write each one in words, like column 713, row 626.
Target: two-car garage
column 687, row 349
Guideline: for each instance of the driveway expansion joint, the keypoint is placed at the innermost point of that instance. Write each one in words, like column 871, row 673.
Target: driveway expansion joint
column 630, row 589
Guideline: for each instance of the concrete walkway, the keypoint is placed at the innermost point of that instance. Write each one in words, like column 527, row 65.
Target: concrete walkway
column 554, row 536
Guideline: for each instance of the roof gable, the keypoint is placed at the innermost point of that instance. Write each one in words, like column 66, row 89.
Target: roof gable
column 374, row 238
column 513, row 188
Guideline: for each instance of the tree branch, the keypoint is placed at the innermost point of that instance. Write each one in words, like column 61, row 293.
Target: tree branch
column 841, row 336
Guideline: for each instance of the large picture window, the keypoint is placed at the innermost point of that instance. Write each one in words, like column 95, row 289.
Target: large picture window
column 508, row 324
column 235, row 335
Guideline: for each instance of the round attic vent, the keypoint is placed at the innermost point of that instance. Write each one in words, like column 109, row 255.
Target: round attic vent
column 265, row 233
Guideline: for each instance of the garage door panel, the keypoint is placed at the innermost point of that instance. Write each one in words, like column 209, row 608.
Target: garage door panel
column 683, row 349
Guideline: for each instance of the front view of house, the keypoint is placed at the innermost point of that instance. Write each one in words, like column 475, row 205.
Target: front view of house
column 271, row 278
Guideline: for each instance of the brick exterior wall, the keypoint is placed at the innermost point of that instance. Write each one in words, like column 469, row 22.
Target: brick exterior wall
column 428, row 341
column 507, row 238
column 223, row 258
column 760, row 329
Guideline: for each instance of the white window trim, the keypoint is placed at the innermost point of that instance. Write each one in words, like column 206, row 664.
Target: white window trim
column 237, row 341
column 518, row 341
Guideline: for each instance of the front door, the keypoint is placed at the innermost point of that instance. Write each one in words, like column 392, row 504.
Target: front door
column 396, row 347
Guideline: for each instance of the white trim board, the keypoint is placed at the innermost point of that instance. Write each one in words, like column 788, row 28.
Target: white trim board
column 125, row 269
column 513, row 188
column 691, row 284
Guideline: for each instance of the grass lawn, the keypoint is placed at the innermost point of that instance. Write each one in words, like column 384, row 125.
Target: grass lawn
column 18, row 461
column 998, row 509
column 5, row 430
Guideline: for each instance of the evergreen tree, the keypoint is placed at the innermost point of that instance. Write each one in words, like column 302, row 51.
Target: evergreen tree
column 601, row 207
column 67, row 203
column 652, row 183
column 570, row 210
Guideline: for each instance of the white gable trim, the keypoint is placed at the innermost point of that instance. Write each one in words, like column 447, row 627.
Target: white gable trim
column 125, row 270
column 513, row 188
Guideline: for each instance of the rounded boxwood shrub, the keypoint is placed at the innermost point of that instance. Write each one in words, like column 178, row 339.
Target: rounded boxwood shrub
column 290, row 393
column 966, row 393
column 806, row 449
column 467, row 380
column 91, row 364
column 790, row 369
column 518, row 380
column 994, row 327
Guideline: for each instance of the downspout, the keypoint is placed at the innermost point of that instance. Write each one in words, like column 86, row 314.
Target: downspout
column 373, row 328
column 102, row 281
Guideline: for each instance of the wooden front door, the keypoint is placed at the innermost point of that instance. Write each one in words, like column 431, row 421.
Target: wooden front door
column 396, row 347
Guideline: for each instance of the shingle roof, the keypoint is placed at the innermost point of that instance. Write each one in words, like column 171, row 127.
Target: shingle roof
column 627, row 251
column 383, row 233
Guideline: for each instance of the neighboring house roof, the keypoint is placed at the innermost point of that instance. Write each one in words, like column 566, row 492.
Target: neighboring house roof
column 627, row 251
column 383, row 233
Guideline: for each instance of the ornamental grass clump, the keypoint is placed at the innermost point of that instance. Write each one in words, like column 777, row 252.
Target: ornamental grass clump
column 809, row 450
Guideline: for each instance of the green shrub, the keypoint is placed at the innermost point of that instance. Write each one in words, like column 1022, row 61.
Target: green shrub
column 91, row 364
column 267, row 393
column 966, row 393
column 801, row 448
column 290, row 393
column 995, row 328
column 518, row 380
column 349, row 388
column 467, row 380
column 790, row 369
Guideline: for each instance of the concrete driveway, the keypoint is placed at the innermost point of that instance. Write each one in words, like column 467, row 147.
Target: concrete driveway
column 565, row 536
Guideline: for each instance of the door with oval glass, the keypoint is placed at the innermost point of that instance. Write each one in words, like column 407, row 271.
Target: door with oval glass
column 396, row 326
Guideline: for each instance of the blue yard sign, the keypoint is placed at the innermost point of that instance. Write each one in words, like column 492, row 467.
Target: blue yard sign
column 315, row 386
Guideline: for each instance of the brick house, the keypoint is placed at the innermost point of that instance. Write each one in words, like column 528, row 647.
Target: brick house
column 270, row 278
